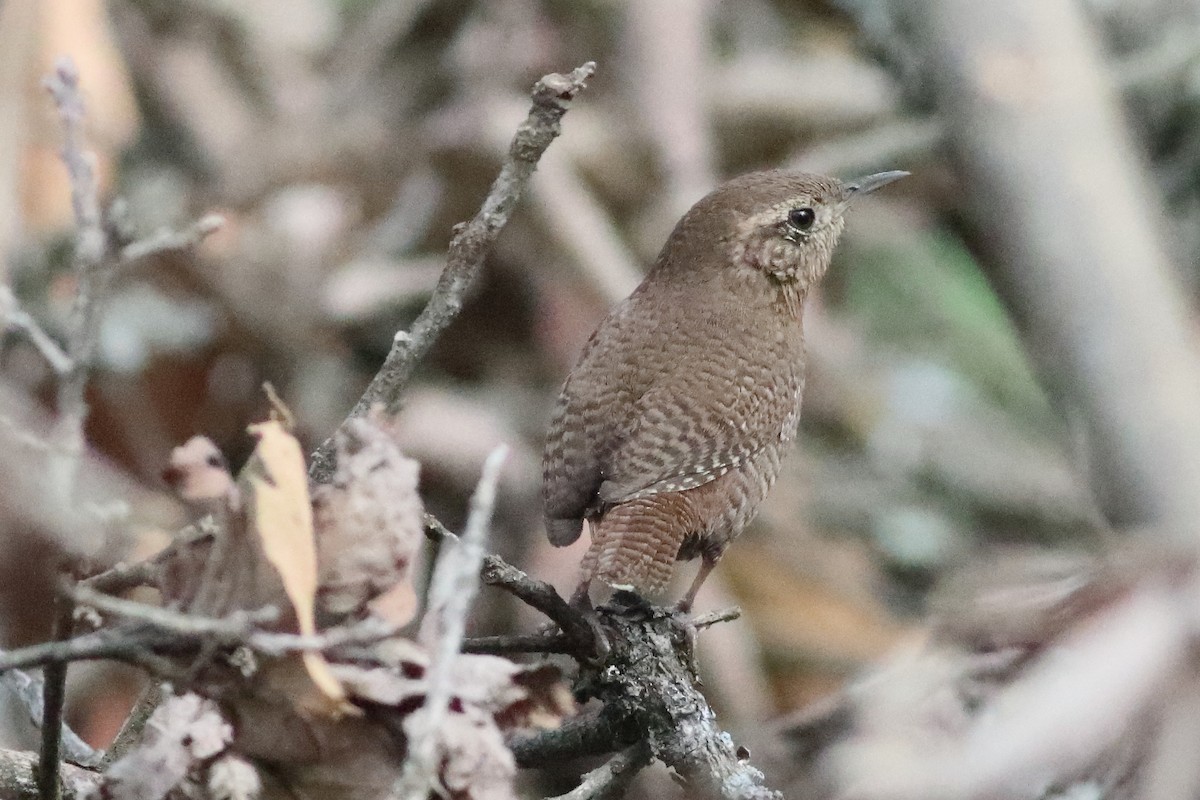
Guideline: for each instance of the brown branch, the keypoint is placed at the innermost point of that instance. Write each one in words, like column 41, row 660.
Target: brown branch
column 647, row 686
column 150, row 636
column 123, row 577
column 139, row 647
column 552, row 96
column 135, row 723
column 583, row 637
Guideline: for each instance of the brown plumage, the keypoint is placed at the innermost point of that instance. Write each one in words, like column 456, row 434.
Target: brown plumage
column 671, row 428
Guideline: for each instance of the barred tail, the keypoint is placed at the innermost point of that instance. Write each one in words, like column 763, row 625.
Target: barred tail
column 635, row 544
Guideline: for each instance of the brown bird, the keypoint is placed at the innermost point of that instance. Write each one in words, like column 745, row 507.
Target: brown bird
column 670, row 429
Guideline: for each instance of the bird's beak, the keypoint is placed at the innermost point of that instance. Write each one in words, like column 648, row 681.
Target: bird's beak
column 870, row 183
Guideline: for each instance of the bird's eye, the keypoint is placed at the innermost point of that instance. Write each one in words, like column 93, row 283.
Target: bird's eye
column 802, row 218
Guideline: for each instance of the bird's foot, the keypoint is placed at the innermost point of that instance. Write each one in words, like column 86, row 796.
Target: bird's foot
column 627, row 600
column 595, row 650
column 600, row 648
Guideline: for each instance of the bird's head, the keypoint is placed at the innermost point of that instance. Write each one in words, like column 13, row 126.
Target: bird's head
column 783, row 224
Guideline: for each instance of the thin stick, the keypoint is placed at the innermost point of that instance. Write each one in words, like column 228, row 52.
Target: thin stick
column 13, row 317
column 472, row 241
column 29, row 690
column 716, row 617
column 533, row 643
column 454, row 586
column 171, row 241
column 611, row 779
column 54, row 696
column 93, row 262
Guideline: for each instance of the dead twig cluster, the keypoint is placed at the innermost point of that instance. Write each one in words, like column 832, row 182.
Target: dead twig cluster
column 214, row 629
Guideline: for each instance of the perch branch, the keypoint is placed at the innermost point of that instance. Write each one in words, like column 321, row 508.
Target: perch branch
column 552, row 96
column 648, row 690
column 581, row 634
column 648, row 683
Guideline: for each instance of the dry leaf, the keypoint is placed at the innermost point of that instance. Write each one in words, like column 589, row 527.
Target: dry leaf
column 369, row 525
column 181, row 733
column 199, row 475
column 274, row 486
column 515, row 695
column 233, row 778
column 477, row 764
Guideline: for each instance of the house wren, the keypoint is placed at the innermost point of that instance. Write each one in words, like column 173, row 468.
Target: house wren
column 670, row 429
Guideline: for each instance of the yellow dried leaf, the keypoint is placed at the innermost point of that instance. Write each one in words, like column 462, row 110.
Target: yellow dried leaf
column 275, row 487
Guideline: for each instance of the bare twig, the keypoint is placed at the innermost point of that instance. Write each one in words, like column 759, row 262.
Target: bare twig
column 533, row 643
column 16, row 318
column 150, row 633
column 139, row 646
column 436, row 531
column 93, row 268
column 552, row 96
column 28, row 689
column 581, row 634
column 238, row 626
column 135, row 723
column 453, row 587
column 54, row 696
column 169, row 241
column 123, row 577
column 96, row 258
column 716, row 617
column 611, row 779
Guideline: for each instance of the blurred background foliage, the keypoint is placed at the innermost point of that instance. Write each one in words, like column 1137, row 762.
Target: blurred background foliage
column 342, row 140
